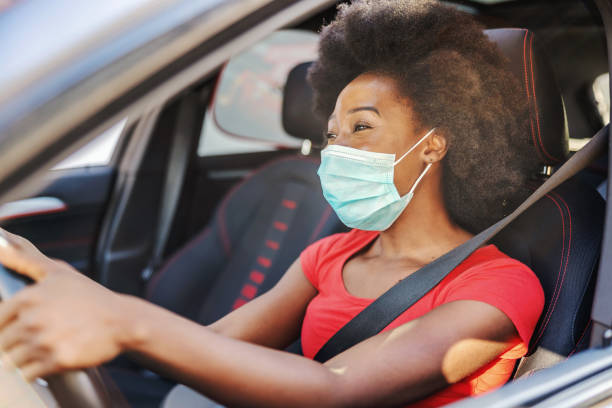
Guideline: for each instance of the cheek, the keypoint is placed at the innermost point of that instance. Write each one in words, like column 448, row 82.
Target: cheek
column 405, row 174
column 380, row 139
column 363, row 141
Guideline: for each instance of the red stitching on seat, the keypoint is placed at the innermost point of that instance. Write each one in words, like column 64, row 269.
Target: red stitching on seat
column 580, row 339
column 239, row 302
column 263, row 261
column 315, row 233
column 563, row 265
column 528, row 96
column 249, row 291
column 64, row 243
column 223, row 234
column 281, row 226
column 569, row 242
column 272, row 244
column 257, row 276
column 232, row 191
column 541, row 331
column 535, row 101
column 289, row 204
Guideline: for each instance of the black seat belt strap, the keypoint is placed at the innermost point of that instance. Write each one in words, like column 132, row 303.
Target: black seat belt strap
column 178, row 158
column 380, row 313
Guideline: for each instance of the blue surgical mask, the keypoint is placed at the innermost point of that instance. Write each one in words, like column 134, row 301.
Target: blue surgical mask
column 359, row 186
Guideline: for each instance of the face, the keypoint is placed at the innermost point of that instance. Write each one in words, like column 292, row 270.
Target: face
column 371, row 115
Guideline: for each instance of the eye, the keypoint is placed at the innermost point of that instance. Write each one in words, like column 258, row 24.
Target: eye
column 361, row 126
column 330, row 135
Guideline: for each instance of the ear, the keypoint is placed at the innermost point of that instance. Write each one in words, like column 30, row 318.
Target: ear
column 436, row 147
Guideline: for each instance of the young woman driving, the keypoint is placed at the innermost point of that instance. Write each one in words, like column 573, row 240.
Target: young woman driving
column 424, row 149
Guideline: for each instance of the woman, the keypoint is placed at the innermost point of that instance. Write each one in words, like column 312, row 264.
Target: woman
column 415, row 171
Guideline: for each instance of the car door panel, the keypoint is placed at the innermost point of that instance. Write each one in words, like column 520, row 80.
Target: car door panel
column 64, row 217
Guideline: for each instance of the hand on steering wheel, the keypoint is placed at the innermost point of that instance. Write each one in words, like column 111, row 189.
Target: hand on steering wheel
column 63, row 322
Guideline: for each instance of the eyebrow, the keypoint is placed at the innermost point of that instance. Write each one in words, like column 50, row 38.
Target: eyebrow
column 360, row 108
column 365, row 108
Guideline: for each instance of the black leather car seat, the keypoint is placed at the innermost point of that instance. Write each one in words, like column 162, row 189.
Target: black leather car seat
column 560, row 236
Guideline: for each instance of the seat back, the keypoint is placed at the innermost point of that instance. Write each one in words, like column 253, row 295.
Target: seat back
column 558, row 237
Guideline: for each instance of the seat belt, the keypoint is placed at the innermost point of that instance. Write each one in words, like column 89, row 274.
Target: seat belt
column 386, row 308
column 175, row 174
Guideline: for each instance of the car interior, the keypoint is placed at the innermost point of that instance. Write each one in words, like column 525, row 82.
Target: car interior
column 208, row 199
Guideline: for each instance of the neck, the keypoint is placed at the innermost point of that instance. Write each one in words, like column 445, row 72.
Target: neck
column 424, row 231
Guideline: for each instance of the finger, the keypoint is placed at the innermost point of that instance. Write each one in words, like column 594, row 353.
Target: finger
column 20, row 255
column 7, row 235
column 35, row 369
column 4, row 237
column 14, row 240
column 8, row 311
column 24, row 299
column 12, row 335
column 20, row 355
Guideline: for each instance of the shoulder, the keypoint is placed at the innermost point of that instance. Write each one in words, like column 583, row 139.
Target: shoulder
column 492, row 277
column 491, row 265
column 490, row 269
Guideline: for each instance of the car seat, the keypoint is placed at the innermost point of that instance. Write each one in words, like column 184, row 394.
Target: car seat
column 559, row 237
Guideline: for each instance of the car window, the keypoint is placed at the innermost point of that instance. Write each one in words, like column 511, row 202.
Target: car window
column 98, row 152
column 601, row 94
column 245, row 114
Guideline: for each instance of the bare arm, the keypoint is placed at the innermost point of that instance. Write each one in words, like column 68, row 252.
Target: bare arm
column 391, row 368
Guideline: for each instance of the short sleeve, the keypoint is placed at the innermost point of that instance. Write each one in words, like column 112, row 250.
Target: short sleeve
column 506, row 284
column 311, row 256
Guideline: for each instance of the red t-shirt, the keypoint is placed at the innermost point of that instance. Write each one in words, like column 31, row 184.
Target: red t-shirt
column 487, row 275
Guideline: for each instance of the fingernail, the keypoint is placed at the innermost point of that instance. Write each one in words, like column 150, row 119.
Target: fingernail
column 42, row 382
column 3, row 241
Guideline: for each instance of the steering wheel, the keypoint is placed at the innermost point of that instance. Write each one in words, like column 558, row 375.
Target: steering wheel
column 80, row 388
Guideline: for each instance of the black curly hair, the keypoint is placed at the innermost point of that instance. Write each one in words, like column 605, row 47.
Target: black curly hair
column 457, row 81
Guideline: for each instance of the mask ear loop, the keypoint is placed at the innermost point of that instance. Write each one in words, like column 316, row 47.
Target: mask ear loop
column 418, row 180
column 414, row 146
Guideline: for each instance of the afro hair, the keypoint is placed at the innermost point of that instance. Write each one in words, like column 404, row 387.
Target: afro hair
column 456, row 80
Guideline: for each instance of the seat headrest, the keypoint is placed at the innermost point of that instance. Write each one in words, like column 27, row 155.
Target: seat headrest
column 298, row 117
column 547, row 120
